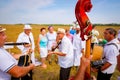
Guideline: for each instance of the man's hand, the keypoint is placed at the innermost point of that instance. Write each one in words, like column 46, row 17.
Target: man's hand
column 50, row 52
column 27, row 45
column 85, row 61
column 81, row 72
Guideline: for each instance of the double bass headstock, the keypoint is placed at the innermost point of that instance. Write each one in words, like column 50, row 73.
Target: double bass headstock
column 82, row 7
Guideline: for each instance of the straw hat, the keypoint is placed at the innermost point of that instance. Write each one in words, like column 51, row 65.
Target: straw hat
column 27, row 26
column 2, row 29
column 61, row 30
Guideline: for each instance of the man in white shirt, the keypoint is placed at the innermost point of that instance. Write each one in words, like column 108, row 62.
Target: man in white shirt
column 65, row 55
column 27, row 37
column 110, row 54
column 8, row 64
column 78, row 47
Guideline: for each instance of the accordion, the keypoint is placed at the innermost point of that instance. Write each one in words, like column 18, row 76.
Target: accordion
column 24, row 60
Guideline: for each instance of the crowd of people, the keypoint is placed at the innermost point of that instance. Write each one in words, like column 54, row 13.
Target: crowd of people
column 65, row 47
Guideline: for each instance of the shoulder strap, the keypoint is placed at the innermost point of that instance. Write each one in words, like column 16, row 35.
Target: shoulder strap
column 57, row 45
column 113, row 44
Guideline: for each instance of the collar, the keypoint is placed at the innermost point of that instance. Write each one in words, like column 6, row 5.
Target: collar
column 112, row 41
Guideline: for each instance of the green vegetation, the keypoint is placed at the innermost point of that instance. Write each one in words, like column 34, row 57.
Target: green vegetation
column 111, row 24
column 52, row 71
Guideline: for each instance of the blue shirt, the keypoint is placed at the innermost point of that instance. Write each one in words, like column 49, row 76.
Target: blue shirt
column 43, row 41
column 72, row 31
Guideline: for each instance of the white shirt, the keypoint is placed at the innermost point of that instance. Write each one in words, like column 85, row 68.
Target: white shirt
column 67, row 48
column 110, row 54
column 51, row 39
column 78, row 45
column 94, row 39
column 25, row 38
column 6, row 63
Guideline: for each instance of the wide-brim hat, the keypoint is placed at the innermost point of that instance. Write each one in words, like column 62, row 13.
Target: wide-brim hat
column 2, row 29
column 27, row 26
column 61, row 30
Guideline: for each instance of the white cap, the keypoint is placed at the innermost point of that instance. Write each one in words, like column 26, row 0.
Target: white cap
column 27, row 26
column 77, row 26
column 61, row 30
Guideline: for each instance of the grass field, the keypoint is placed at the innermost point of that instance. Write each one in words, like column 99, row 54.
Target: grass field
column 52, row 71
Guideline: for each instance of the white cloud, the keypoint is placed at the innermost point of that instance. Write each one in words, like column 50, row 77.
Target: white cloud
column 27, row 5
column 30, row 11
column 44, row 17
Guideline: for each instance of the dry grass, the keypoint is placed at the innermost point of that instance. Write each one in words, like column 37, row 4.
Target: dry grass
column 52, row 71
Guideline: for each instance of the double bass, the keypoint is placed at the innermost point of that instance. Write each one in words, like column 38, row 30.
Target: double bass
column 81, row 8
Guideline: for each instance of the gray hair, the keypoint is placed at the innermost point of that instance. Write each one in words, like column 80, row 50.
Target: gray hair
column 112, row 31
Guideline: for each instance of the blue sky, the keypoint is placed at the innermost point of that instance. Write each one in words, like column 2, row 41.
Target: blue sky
column 56, row 11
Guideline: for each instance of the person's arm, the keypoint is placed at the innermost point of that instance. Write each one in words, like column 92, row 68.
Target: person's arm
column 105, row 66
column 81, row 72
column 59, row 53
column 18, row 71
column 111, row 55
column 38, row 45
